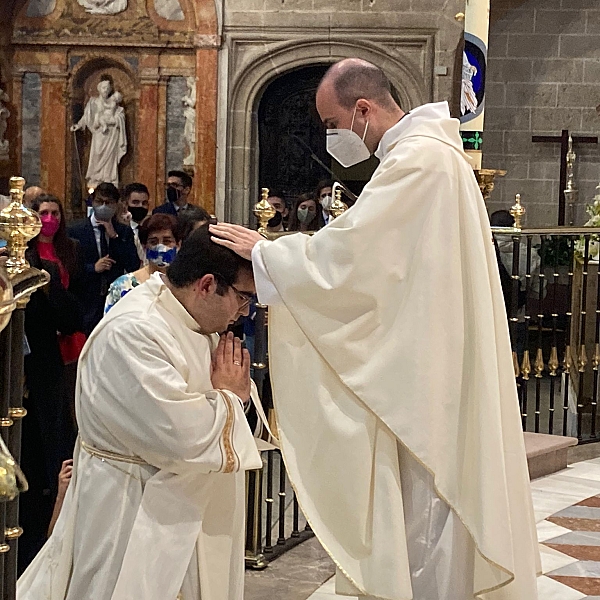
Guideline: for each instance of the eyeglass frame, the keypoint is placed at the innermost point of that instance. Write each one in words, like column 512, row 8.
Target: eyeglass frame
column 247, row 297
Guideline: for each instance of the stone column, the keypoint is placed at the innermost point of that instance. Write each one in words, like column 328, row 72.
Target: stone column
column 206, row 121
column 53, row 151
column 147, row 139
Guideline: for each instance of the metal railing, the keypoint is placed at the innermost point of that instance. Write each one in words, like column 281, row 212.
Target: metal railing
column 554, row 318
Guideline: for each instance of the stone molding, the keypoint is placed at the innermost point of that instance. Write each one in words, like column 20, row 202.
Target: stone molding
column 258, row 57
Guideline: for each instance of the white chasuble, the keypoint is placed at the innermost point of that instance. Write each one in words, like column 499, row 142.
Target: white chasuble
column 401, row 428
column 156, row 504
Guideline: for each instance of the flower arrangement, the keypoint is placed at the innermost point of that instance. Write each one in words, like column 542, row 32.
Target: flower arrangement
column 593, row 210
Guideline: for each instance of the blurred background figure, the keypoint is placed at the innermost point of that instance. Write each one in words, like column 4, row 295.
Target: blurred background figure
column 137, row 200
column 325, row 198
column 159, row 237
column 189, row 220
column 31, row 193
column 306, row 214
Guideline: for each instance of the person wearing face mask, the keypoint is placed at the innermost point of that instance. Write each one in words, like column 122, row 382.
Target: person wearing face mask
column 136, row 198
column 108, row 250
column 421, row 487
column 324, row 195
column 159, row 236
column 277, row 223
column 53, row 323
column 306, row 214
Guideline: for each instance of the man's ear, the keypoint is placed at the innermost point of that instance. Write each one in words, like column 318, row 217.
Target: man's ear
column 206, row 285
column 363, row 107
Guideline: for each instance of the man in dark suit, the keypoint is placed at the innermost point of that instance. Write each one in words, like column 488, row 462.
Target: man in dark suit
column 108, row 252
column 179, row 186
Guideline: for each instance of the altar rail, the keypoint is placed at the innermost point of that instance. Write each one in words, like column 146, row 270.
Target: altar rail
column 553, row 306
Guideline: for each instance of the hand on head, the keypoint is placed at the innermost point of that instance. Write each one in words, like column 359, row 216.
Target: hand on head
column 235, row 237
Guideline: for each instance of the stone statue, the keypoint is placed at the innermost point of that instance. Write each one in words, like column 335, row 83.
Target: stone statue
column 189, row 112
column 105, row 118
column 103, row 7
column 4, row 114
column 169, row 10
column 40, row 8
column 468, row 98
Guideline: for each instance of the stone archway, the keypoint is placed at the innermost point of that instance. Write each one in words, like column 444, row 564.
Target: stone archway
column 253, row 64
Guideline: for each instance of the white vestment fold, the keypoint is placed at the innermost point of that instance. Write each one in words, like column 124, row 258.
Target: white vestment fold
column 395, row 310
column 167, row 514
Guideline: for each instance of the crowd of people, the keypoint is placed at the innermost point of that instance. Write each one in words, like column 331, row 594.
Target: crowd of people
column 92, row 264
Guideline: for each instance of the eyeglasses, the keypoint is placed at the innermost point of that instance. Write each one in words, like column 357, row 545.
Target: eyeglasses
column 244, row 297
column 175, row 186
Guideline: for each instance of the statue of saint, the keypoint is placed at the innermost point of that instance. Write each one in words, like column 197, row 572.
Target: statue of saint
column 169, row 10
column 40, row 8
column 4, row 114
column 105, row 118
column 189, row 112
column 103, row 7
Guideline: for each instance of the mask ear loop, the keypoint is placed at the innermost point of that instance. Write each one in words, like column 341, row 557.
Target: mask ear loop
column 352, row 125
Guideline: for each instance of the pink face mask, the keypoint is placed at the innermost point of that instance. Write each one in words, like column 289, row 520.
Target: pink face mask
column 50, row 225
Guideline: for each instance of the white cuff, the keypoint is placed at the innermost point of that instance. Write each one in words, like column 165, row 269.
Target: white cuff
column 265, row 289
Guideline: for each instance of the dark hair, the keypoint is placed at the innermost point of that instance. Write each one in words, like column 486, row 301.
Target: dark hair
column 133, row 188
column 323, row 184
column 65, row 247
column 106, row 190
column 200, row 256
column 356, row 79
column 502, row 218
column 294, row 224
column 186, row 179
column 277, row 193
column 187, row 219
column 157, row 222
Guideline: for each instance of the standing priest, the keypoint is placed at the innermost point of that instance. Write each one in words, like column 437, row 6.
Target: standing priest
column 405, row 444
column 155, row 508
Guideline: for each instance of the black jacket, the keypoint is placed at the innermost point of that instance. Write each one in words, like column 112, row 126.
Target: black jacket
column 121, row 249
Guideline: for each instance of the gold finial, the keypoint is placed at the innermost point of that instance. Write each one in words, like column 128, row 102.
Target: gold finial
column 539, row 363
column 264, row 211
column 518, row 212
column 583, row 360
column 460, row 17
column 337, row 206
column 485, row 179
column 17, row 226
column 567, row 361
column 526, row 366
column 553, row 363
column 516, row 367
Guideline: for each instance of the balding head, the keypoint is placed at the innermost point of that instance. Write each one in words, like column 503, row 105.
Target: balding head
column 31, row 193
column 354, row 78
column 355, row 94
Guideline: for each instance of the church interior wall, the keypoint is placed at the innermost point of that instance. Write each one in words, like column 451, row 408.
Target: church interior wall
column 262, row 39
column 543, row 77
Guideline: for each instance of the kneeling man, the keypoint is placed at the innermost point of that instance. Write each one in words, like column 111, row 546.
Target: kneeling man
column 156, row 505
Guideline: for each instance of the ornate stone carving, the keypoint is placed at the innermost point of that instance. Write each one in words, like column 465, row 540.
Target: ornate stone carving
column 189, row 112
column 169, row 10
column 4, row 114
column 40, row 8
column 103, row 7
column 105, row 118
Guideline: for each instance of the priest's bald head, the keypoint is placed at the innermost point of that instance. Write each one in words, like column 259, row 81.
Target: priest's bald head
column 355, row 94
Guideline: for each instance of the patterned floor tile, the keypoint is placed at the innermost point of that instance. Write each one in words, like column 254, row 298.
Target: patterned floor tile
column 594, row 501
column 548, row 531
column 576, row 524
column 579, row 552
column 585, row 585
column 581, row 568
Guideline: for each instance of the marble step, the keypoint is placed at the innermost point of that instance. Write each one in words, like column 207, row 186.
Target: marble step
column 546, row 454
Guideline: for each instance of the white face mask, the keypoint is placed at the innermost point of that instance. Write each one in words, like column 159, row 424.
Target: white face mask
column 346, row 146
column 326, row 202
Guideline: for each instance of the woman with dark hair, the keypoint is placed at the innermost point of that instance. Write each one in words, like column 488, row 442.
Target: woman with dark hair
column 52, row 322
column 159, row 236
column 306, row 215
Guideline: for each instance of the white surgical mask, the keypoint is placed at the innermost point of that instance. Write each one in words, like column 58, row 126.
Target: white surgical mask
column 326, row 202
column 346, row 146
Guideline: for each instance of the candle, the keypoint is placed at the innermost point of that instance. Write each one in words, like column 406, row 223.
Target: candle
column 474, row 64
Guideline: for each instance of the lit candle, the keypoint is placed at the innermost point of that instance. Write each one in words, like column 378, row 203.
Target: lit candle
column 474, row 65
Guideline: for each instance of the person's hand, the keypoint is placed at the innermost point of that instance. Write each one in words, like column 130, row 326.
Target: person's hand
column 235, row 237
column 64, row 477
column 109, row 228
column 231, row 367
column 104, row 264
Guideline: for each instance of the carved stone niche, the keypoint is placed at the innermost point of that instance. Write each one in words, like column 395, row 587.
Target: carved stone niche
column 84, row 79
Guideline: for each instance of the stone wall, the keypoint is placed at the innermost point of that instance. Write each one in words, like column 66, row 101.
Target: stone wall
column 413, row 41
column 543, row 76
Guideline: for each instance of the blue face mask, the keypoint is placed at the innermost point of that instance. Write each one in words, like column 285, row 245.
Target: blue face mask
column 161, row 255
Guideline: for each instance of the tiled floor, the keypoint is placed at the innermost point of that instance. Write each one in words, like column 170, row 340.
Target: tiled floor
column 567, row 508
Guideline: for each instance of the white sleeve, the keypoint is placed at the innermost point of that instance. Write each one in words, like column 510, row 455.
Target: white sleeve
column 265, row 289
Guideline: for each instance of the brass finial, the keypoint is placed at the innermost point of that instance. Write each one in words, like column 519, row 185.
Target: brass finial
column 17, row 226
column 460, row 17
column 553, row 363
column 264, row 211
column 526, row 366
column 539, row 363
column 337, row 206
column 583, row 360
column 567, row 361
column 518, row 212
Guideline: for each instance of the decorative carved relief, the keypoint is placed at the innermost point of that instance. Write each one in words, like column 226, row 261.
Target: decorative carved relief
column 103, row 7
column 189, row 112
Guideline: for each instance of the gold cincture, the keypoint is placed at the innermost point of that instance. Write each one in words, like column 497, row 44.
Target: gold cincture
column 264, row 211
